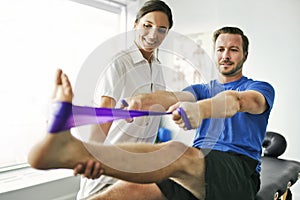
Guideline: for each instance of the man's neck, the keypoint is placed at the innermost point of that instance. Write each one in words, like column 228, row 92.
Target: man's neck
column 227, row 79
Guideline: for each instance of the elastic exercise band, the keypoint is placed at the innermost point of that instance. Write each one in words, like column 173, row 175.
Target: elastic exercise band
column 66, row 116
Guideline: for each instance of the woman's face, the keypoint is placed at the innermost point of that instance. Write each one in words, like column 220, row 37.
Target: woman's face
column 151, row 30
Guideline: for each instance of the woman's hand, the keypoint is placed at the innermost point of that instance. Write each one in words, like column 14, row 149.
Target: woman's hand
column 91, row 169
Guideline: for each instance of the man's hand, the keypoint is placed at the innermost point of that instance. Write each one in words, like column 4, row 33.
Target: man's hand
column 140, row 102
column 91, row 169
column 192, row 111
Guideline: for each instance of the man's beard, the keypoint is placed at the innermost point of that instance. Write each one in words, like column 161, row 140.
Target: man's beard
column 234, row 70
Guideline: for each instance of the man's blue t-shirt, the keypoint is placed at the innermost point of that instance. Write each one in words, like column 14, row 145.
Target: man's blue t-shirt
column 242, row 133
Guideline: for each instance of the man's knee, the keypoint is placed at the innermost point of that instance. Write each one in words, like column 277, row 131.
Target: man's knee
column 190, row 160
column 193, row 162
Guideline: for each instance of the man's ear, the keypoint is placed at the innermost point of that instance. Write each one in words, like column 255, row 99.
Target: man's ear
column 245, row 56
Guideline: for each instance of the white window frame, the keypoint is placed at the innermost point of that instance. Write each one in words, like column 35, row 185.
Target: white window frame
column 18, row 175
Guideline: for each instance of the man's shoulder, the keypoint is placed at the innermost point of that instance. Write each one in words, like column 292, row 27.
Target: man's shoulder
column 250, row 81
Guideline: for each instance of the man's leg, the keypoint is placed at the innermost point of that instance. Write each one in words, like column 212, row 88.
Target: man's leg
column 127, row 190
column 139, row 163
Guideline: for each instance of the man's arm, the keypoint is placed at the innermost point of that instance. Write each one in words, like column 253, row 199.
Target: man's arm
column 223, row 105
column 228, row 103
column 159, row 100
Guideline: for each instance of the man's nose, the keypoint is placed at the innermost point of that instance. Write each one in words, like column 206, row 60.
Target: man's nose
column 226, row 55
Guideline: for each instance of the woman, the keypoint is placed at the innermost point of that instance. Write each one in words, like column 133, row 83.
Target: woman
column 135, row 71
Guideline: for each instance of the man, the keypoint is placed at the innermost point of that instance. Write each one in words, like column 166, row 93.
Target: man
column 230, row 114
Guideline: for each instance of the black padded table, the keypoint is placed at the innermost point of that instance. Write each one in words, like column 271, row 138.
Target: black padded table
column 277, row 175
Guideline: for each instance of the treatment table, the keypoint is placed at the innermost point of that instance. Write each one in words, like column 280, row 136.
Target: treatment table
column 277, row 175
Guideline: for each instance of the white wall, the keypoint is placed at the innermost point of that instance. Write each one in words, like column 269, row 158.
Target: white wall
column 274, row 33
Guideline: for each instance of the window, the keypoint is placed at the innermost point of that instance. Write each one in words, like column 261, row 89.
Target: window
column 37, row 37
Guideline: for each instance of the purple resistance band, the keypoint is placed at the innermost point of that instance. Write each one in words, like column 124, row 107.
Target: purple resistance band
column 66, row 115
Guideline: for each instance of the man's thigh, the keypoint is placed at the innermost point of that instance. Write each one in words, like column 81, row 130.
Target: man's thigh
column 127, row 190
column 230, row 176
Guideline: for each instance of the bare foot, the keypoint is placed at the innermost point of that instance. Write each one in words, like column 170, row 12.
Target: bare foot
column 63, row 89
column 60, row 150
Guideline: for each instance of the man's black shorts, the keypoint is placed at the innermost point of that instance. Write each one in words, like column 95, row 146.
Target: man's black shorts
column 227, row 176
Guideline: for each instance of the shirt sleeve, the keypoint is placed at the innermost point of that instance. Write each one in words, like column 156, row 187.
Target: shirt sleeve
column 266, row 90
column 200, row 91
column 111, row 82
